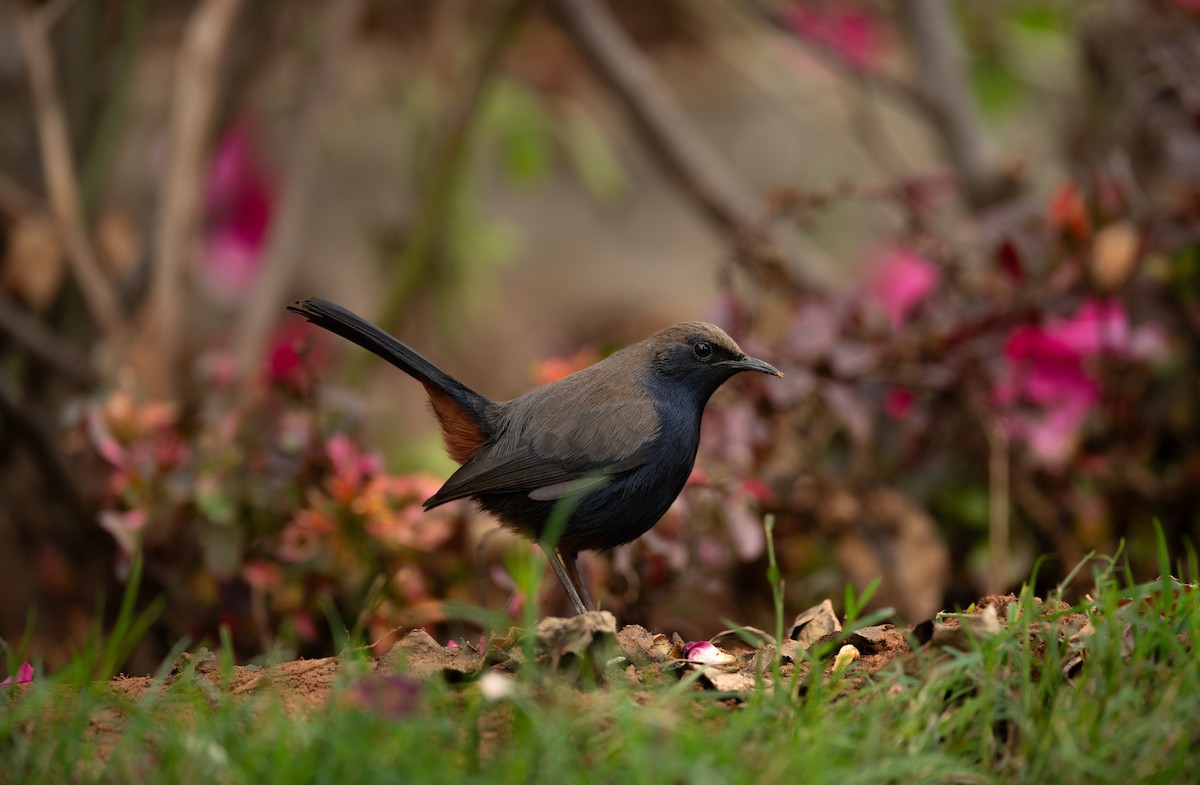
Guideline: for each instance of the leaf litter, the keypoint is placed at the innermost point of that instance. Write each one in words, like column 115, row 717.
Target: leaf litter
column 589, row 651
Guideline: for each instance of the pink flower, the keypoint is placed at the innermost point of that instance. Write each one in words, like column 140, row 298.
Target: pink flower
column 24, row 675
column 1049, row 389
column 704, row 653
column 1102, row 327
column 239, row 202
column 351, row 466
column 901, row 280
column 850, row 32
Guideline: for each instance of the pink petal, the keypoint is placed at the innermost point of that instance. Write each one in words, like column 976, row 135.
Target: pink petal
column 852, row 33
column 239, row 203
column 1028, row 342
column 704, row 653
column 1097, row 327
column 902, row 279
column 230, row 264
column 102, row 438
column 24, row 675
column 1052, row 436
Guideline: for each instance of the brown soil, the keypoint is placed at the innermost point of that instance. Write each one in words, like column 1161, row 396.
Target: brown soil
column 589, row 643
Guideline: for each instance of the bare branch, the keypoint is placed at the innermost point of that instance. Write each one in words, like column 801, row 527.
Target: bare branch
column 999, row 505
column 942, row 81
column 62, row 183
column 940, row 92
column 196, row 81
column 694, row 163
column 60, row 481
column 40, row 342
column 445, row 169
column 869, row 77
column 289, row 227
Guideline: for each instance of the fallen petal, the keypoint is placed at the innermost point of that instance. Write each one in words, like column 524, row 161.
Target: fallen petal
column 704, row 653
column 846, row 655
column 24, row 675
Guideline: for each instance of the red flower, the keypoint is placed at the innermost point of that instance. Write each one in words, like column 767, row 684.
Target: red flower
column 1068, row 214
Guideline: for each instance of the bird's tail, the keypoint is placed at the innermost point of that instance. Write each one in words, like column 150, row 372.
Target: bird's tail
column 353, row 327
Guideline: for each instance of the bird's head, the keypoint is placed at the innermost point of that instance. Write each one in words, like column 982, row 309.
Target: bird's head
column 703, row 355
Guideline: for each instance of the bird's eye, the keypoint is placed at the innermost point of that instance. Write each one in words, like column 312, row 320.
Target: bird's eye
column 702, row 350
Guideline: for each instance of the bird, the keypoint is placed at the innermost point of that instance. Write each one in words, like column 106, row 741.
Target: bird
column 588, row 462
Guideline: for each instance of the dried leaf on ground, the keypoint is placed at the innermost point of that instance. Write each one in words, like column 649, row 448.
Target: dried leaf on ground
column 589, row 639
column 814, row 624
column 642, row 647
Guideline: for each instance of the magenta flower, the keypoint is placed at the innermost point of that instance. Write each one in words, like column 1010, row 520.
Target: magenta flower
column 24, row 675
column 852, row 33
column 239, row 201
column 898, row 402
column 1049, row 387
column 900, row 281
column 704, row 653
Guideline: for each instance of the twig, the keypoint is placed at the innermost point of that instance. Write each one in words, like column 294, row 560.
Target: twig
column 445, row 170
column 61, row 180
column 1045, row 516
column 196, row 82
column 943, row 84
column 868, row 76
column 289, row 227
column 59, row 480
column 940, row 92
column 689, row 158
column 43, row 344
column 999, row 502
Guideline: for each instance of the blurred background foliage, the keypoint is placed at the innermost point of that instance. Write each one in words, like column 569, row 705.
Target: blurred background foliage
column 967, row 232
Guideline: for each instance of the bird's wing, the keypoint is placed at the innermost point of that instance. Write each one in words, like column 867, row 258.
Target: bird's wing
column 566, row 447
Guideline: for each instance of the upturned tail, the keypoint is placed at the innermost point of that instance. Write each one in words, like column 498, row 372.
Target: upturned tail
column 465, row 415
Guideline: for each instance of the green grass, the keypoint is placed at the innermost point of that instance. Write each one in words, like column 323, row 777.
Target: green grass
column 1000, row 711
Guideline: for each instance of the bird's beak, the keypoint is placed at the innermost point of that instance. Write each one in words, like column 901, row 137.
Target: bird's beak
column 749, row 364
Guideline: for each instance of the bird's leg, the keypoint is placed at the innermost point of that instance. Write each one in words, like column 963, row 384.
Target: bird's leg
column 572, row 591
column 571, row 562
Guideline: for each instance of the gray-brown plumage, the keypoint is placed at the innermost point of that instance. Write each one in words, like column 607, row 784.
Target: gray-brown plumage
column 600, row 454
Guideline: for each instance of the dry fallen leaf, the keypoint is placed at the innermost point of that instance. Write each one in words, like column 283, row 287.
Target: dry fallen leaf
column 814, row 624
column 878, row 638
column 642, row 647
column 732, row 681
column 589, row 639
column 958, row 633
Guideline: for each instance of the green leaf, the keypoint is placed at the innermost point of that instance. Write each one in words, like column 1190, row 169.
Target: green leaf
column 592, row 156
column 215, row 505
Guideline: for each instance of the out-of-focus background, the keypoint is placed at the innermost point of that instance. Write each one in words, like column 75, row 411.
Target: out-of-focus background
column 967, row 232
